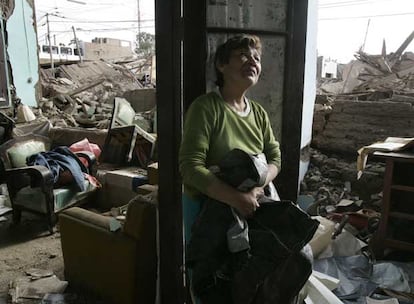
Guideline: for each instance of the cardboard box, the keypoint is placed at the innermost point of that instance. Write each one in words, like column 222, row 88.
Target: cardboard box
column 129, row 177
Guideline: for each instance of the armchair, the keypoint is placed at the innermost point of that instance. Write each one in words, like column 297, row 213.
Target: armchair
column 32, row 188
column 120, row 266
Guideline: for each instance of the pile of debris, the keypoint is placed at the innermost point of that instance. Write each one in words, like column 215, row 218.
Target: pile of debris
column 81, row 94
column 385, row 75
column 349, row 211
column 331, row 192
column 331, row 179
column 374, row 100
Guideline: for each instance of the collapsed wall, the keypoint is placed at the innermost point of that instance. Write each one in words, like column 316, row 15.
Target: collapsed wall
column 373, row 101
column 348, row 125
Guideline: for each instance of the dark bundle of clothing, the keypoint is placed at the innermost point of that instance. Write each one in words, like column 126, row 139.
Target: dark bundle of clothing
column 6, row 128
column 59, row 160
column 253, row 261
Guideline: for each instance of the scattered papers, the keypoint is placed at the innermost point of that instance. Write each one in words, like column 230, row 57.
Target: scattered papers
column 322, row 237
column 330, row 282
column 4, row 204
column 387, row 301
column 114, row 225
column 4, row 210
column 345, row 203
column 318, row 293
column 27, row 288
column 35, row 273
column 345, row 244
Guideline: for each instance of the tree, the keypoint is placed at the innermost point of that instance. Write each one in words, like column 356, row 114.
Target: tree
column 145, row 44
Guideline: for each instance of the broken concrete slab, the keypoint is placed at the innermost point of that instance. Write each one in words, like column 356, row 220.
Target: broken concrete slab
column 141, row 99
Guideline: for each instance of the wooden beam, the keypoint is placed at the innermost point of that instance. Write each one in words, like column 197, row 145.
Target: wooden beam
column 287, row 181
column 168, row 37
column 195, row 46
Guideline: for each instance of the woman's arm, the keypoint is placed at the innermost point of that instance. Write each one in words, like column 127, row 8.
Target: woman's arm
column 272, row 172
column 245, row 202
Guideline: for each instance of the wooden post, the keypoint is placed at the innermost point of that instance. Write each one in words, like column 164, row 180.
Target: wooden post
column 77, row 44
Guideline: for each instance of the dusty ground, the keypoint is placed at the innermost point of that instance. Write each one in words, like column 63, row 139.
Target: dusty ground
column 30, row 245
column 27, row 245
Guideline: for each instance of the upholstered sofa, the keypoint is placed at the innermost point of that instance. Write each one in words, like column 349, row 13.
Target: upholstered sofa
column 117, row 266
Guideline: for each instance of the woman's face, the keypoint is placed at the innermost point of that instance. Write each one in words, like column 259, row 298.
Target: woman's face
column 243, row 68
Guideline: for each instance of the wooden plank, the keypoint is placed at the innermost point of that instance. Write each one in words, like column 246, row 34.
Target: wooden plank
column 169, row 117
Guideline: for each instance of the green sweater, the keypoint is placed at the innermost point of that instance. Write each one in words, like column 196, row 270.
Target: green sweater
column 212, row 129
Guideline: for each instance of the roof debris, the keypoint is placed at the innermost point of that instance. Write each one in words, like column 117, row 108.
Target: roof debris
column 81, row 94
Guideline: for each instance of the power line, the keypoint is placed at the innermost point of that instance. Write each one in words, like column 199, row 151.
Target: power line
column 360, row 17
column 103, row 29
column 348, row 3
column 341, row 3
column 102, row 21
column 79, row 14
column 76, row 10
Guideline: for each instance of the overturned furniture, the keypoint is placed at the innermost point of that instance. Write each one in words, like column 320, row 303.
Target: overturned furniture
column 126, row 142
column 397, row 215
column 118, row 266
column 33, row 188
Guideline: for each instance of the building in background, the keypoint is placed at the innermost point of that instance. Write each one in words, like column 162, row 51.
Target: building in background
column 99, row 48
column 106, row 48
column 327, row 68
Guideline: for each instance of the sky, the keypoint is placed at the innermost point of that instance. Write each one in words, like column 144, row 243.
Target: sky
column 344, row 26
column 93, row 18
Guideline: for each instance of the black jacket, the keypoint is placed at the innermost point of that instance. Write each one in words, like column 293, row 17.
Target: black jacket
column 271, row 270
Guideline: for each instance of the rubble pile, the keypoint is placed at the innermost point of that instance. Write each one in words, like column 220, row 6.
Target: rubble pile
column 80, row 95
column 331, row 179
column 141, row 68
column 374, row 100
column 373, row 77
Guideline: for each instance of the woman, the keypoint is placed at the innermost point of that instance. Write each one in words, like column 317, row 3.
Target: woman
column 221, row 121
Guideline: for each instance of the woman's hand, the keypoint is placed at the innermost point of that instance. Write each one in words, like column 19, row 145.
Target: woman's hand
column 247, row 203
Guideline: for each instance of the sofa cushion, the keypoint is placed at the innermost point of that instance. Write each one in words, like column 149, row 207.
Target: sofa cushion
column 140, row 210
column 19, row 152
column 33, row 198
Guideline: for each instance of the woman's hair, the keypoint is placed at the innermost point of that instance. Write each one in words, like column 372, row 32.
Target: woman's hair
column 224, row 51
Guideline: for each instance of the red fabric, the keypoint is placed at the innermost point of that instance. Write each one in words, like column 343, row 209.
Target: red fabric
column 84, row 161
column 85, row 145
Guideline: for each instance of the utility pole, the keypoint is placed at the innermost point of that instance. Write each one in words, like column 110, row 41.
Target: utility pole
column 366, row 35
column 139, row 24
column 77, row 44
column 50, row 42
